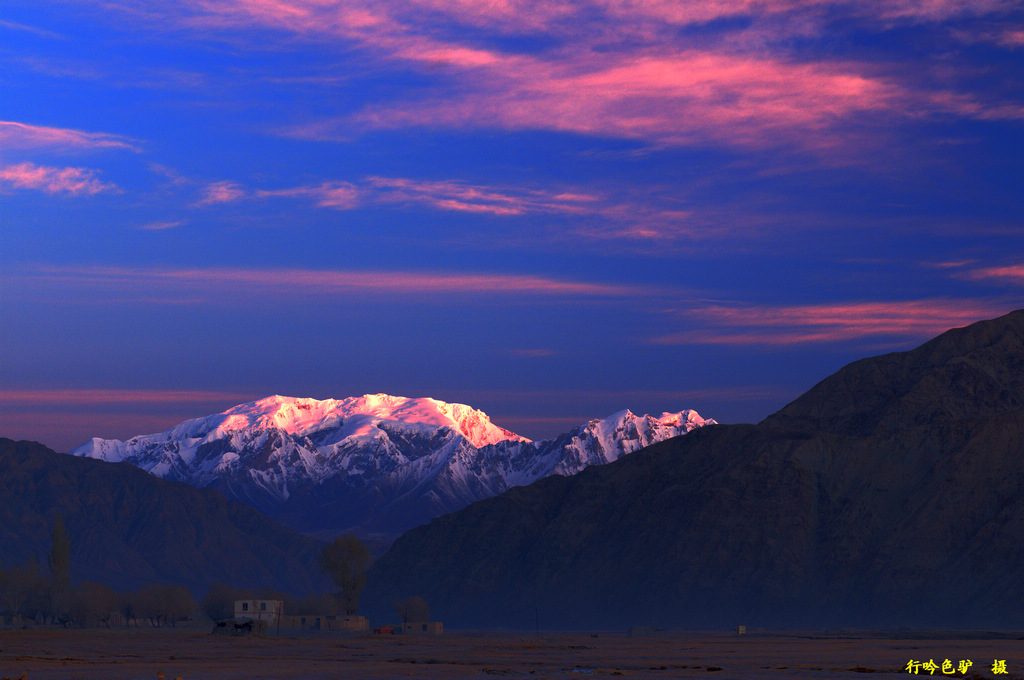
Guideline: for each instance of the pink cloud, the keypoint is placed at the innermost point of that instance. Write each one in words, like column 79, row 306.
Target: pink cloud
column 161, row 226
column 627, row 80
column 937, row 10
column 31, row 29
column 624, row 217
column 1010, row 273
column 883, row 11
column 85, row 397
column 952, row 264
column 150, row 283
column 340, row 195
column 465, row 197
column 15, row 135
column 652, row 92
column 65, row 418
column 53, row 180
column 370, row 21
column 1012, row 38
column 453, row 195
column 690, row 97
column 221, row 192
column 750, row 325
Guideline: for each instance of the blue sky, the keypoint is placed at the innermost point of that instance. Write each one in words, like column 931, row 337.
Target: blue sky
column 549, row 211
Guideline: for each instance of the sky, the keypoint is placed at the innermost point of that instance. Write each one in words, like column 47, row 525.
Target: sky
column 550, row 211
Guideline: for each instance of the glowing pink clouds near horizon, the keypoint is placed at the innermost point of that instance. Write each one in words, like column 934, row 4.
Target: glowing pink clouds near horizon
column 146, row 282
column 801, row 324
column 638, row 195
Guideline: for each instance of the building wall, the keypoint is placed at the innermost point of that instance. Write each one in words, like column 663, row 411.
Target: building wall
column 351, row 624
column 259, row 610
column 423, row 628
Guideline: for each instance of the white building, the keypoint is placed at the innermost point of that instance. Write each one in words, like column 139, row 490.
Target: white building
column 259, row 610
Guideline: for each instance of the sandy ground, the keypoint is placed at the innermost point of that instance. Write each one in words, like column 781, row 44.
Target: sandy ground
column 194, row 654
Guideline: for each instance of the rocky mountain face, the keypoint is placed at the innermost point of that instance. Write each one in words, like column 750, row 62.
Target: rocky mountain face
column 890, row 494
column 129, row 529
column 375, row 465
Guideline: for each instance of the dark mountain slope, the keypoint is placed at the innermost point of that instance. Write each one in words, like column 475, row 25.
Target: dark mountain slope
column 976, row 371
column 128, row 528
column 891, row 494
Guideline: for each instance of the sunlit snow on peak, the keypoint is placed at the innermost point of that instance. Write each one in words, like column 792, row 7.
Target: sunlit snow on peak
column 390, row 462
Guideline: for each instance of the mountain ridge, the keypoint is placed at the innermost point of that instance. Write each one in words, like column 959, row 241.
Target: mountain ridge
column 905, row 508
column 374, row 465
column 129, row 529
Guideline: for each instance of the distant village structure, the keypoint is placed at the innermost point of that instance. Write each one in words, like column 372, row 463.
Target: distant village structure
column 259, row 610
column 272, row 612
column 422, row 628
column 342, row 623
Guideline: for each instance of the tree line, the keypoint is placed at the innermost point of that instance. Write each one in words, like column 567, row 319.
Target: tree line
column 30, row 594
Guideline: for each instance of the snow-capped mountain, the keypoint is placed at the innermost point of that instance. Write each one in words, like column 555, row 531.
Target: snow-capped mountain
column 375, row 464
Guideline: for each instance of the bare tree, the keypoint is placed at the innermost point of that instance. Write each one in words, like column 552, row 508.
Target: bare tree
column 318, row 604
column 219, row 602
column 60, row 573
column 92, row 603
column 346, row 560
column 129, row 606
column 148, row 605
column 163, row 604
column 19, row 586
column 60, row 557
column 177, row 603
column 413, row 610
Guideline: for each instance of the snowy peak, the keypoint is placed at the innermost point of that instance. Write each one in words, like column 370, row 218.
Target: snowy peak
column 686, row 420
column 605, row 440
column 356, row 416
column 376, row 461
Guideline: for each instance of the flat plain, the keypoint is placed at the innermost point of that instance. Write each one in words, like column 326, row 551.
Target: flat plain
column 195, row 654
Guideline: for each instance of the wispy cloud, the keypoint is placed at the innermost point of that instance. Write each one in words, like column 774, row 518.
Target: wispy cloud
column 632, row 82
column 221, row 192
column 447, row 195
column 549, row 15
column 693, row 97
column 161, row 226
column 933, row 10
column 652, row 217
column 53, row 180
column 466, row 197
column 339, row 195
column 951, row 264
column 14, row 135
column 64, row 418
column 85, row 397
column 667, row 97
column 381, row 23
column 1013, row 273
column 30, row 29
column 608, row 68
column 538, row 353
column 767, row 325
column 173, row 177
column 164, row 283
column 1011, row 38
